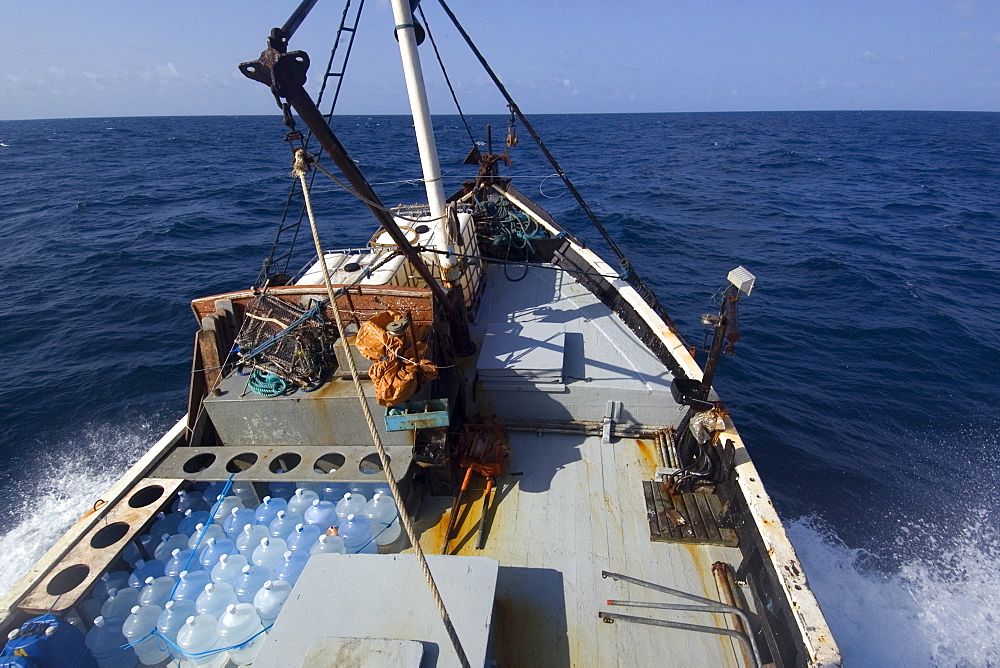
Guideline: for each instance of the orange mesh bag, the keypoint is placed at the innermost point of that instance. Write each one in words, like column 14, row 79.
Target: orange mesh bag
column 400, row 366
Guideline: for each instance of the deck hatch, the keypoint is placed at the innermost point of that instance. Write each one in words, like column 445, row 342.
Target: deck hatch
column 685, row 518
column 523, row 352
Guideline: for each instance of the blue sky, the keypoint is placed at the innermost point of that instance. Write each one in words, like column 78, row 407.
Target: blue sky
column 136, row 58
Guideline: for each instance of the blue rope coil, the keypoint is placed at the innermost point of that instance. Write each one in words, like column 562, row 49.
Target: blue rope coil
column 268, row 384
column 511, row 227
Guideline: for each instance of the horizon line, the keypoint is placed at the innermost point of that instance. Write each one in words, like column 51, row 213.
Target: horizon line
column 570, row 113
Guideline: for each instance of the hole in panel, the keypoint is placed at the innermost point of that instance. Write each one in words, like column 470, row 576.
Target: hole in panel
column 285, row 462
column 67, row 580
column 109, row 535
column 145, row 496
column 199, row 462
column 329, row 463
column 241, row 462
column 371, row 464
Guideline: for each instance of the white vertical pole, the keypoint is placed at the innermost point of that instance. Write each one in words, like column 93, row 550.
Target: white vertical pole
column 422, row 123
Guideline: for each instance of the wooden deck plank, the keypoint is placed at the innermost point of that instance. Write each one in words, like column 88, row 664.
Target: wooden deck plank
column 693, row 516
column 708, row 517
column 655, row 528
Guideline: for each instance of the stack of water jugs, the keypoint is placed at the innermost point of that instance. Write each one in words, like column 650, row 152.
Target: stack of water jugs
column 212, row 575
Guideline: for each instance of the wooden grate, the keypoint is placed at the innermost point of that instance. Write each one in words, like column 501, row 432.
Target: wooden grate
column 685, row 518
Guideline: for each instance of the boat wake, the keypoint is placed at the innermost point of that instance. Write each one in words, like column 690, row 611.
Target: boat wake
column 65, row 485
column 936, row 609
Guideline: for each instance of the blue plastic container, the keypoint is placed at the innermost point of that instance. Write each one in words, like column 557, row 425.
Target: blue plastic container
column 36, row 645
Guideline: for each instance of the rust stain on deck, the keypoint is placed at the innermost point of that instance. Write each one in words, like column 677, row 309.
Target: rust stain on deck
column 463, row 539
column 648, row 456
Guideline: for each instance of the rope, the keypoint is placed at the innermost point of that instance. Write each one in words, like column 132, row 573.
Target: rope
column 375, row 205
column 447, row 80
column 514, row 109
column 267, row 384
column 300, row 169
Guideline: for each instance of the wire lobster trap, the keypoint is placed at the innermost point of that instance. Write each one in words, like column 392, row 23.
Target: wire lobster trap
column 287, row 341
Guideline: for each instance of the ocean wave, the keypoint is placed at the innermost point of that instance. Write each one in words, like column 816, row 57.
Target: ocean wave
column 937, row 607
column 55, row 486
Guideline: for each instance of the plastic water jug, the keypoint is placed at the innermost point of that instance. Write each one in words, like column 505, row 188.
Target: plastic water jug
column 191, row 585
column 156, row 591
column 224, row 508
column 215, row 548
column 361, row 489
column 228, row 568
column 248, row 541
column 174, row 614
column 328, row 545
column 251, row 579
column 301, row 500
column 357, row 534
column 168, row 544
column 143, row 570
column 281, row 490
column 210, row 491
column 314, row 487
column 131, row 553
column 381, row 513
column 268, row 552
column 88, row 609
column 192, row 518
column 284, row 524
column 321, row 514
column 181, row 560
column 246, row 492
column 215, row 599
column 303, row 537
column 105, row 640
column 136, row 630
column 109, row 581
column 270, row 599
column 166, row 523
column 238, row 518
column 350, row 504
column 335, row 491
column 187, row 501
column 119, row 604
column 202, row 534
column 289, row 567
column 268, row 510
column 198, row 635
column 237, row 626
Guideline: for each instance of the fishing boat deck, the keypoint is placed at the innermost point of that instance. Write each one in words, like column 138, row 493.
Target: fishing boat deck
column 550, row 324
column 571, row 508
column 572, row 505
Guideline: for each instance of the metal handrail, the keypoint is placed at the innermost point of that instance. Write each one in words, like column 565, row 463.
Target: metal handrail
column 704, row 605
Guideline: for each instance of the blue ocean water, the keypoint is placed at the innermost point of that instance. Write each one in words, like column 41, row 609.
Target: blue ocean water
column 865, row 385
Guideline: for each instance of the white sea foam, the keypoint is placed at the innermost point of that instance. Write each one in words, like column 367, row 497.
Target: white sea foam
column 939, row 609
column 69, row 479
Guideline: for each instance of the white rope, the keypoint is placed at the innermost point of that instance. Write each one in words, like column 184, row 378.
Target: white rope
column 299, row 170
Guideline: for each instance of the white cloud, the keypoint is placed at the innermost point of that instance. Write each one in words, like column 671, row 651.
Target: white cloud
column 566, row 84
column 167, row 72
column 966, row 8
column 878, row 57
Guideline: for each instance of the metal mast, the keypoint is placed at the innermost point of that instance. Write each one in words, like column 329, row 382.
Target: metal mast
column 406, row 35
